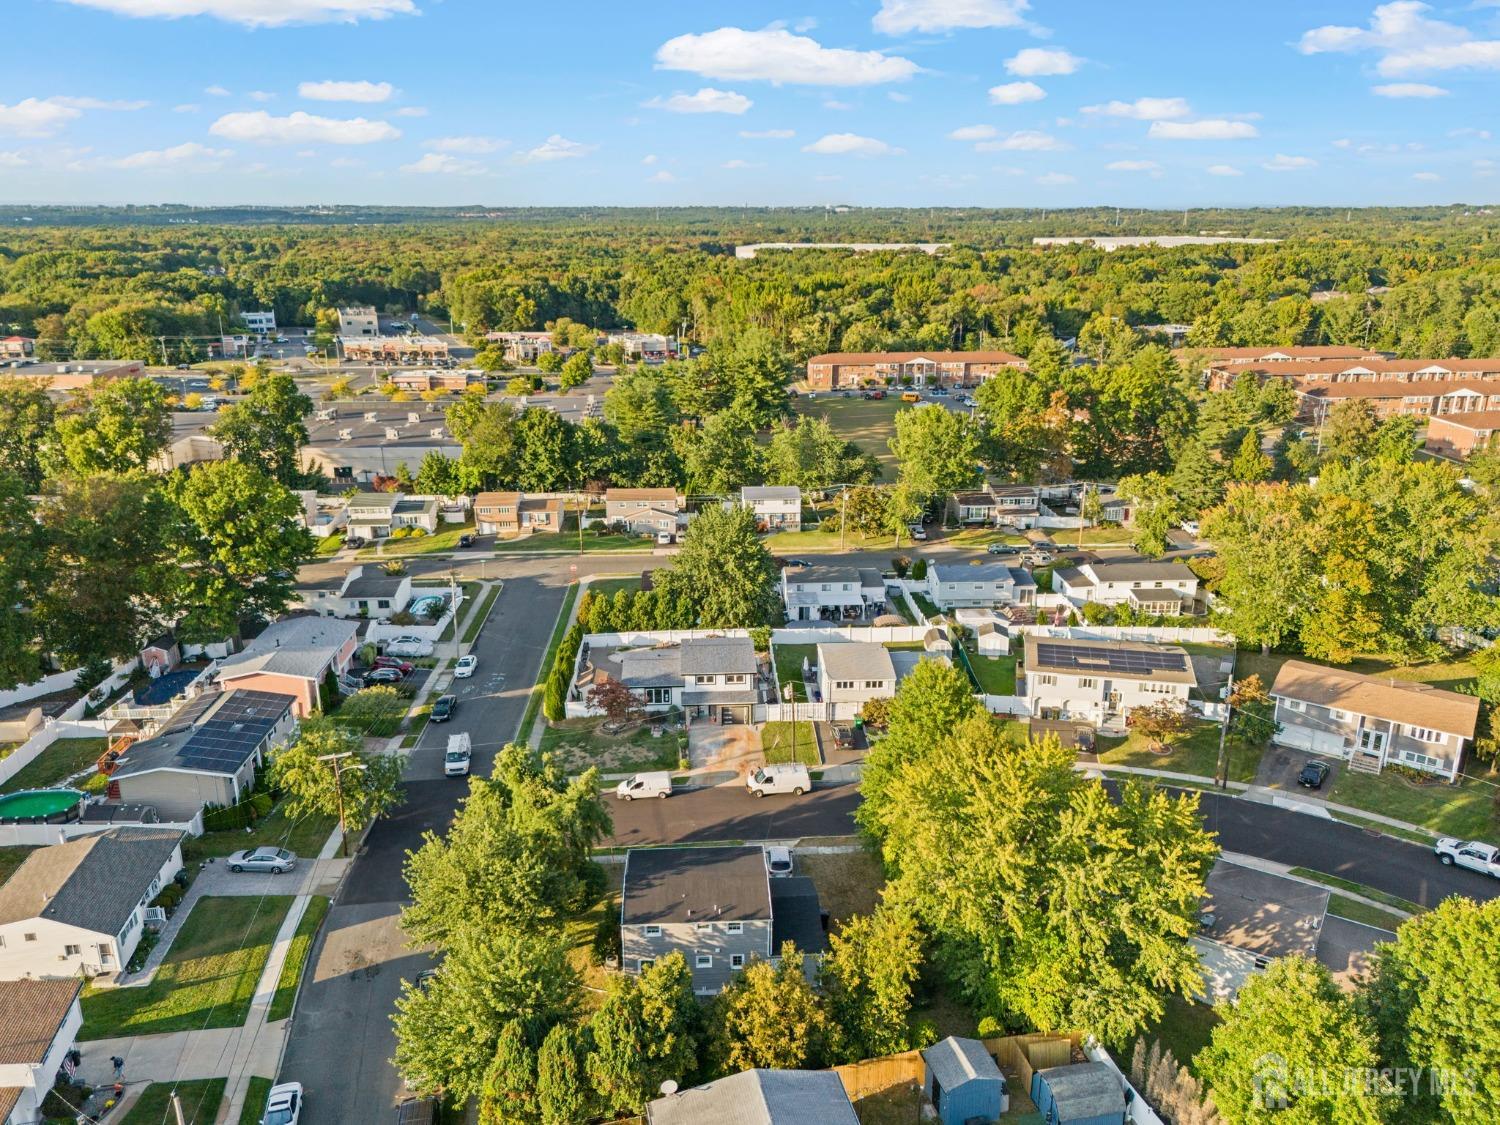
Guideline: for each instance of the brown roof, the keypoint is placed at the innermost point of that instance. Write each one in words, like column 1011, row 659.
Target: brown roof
column 1469, row 420
column 1390, row 388
column 1314, row 352
column 1324, row 370
column 903, row 357
column 1380, row 697
column 34, row 1013
column 541, row 503
column 9, row 1096
column 639, row 495
column 495, row 499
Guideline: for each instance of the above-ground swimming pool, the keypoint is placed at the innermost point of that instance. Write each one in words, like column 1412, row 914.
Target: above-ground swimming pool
column 429, row 606
column 40, row 806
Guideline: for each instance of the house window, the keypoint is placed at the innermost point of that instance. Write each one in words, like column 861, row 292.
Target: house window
column 1045, row 681
column 72, row 950
column 28, row 937
column 704, row 679
column 1088, row 683
column 383, row 603
column 843, row 685
column 736, row 679
column 653, row 931
column 658, row 695
column 1294, row 705
column 734, row 927
column 703, row 926
column 645, row 963
column 874, row 685
column 1335, row 713
column 736, row 960
column 703, row 961
column 1424, row 734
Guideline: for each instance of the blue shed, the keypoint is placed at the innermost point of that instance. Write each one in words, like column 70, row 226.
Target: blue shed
column 962, row 1082
column 1081, row 1094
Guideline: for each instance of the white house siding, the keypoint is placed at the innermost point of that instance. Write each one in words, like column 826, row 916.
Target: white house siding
column 854, row 691
column 949, row 595
column 34, row 1081
column 1087, row 697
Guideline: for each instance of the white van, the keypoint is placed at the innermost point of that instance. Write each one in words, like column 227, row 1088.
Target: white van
column 778, row 779
column 456, row 760
column 664, row 538
column 645, row 785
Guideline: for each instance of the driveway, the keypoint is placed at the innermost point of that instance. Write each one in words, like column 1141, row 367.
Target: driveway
column 727, row 747
column 1280, row 765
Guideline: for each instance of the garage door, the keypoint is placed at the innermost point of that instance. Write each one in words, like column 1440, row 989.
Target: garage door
column 1316, row 741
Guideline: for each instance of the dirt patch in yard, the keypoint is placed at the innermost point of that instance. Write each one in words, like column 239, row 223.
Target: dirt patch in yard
column 581, row 743
column 848, row 883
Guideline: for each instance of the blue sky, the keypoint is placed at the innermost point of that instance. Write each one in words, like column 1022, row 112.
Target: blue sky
column 894, row 102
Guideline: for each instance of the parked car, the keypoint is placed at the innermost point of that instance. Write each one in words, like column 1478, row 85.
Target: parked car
column 466, row 540
column 1313, row 775
column 405, row 667
column 1036, row 557
column 778, row 779
column 408, row 646
column 778, row 861
column 645, row 785
column 353, row 541
column 384, row 675
column 1469, row 853
column 917, row 531
column 424, row 978
column 184, row 367
column 1002, row 549
column 877, row 394
column 443, row 709
column 465, row 667
column 283, row 1104
column 457, row 757
column 1191, row 527
column 939, row 392
column 664, row 538
column 276, row 861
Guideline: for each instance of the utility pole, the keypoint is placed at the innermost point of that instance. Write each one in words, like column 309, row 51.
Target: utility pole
column 1221, row 769
column 177, row 1108
column 162, row 340
column 453, row 605
column 581, row 510
column 338, row 785
column 843, row 514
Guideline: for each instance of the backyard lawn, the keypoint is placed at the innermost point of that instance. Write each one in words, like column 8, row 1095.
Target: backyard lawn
column 200, row 1098
column 1184, row 1029
column 61, row 760
column 996, row 674
column 789, row 742
column 868, row 423
column 789, row 668
column 1448, row 674
column 579, row 744
column 1465, row 810
column 208, row 978
column 10, row 859
column 1196, row 753
column 332, row 545
column 296, row 958
column 925, row 604
column 304, row 837
column 609, row 587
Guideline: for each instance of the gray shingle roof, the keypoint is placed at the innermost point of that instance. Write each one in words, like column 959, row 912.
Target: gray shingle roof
column 217, row 734
column 295, row 646
column 856, row 660
column 695, row 885
column 955, row 1061
column 706, row 656
column 759, row 1097
column 93, row 882
column 1142, row 571
column 374, row 586
column 976, row 572
column 639, row 668
column 751, row 493
column 803, row 575
column 1084, row 1090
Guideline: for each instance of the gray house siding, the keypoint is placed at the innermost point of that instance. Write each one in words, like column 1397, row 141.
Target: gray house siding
column 178, row 796
column 1309, row 726
column 714, row 940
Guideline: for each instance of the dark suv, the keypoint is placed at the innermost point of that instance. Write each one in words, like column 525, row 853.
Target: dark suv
column 443, row 709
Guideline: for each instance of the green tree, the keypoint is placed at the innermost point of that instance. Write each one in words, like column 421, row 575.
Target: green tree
column 1349, row 431
column 562, row 1091
column 937, row 450
column 647, row 1030
column 724, row 571
column 267, row 429
column 1291, row 1048
column 508, row 1096
column 721, row 455
column 1198, row 478
column 810, row 455
column 550, row 362
column 1267, row 558
column 237, row 545
column 111, row 427
column 1250, row 465
column 577, row 370
column 1434, row 1001
column 328, row 772
column 22, row 573
column 872, row 964
column 1155, row 511
column 770, row 1017
column 438, row 475
column 26, row 417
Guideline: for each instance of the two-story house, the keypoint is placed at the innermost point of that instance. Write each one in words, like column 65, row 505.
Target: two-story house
column 41, row 1023
column 979, row 584
column 1166, row 588
column 516, row 513
column 831, row 593
column 712, row 678
column 718, row 907
column 369, row 515
column 776, row 507
column 80, row 907
column 645, row 511
column 293, row 657
column 1101, row 682
column 1371, row 721
column 997, row 505
column 855, row 671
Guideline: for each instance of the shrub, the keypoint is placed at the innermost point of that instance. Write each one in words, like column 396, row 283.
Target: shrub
column 376, row 711
column 148, row 941
column 228, row 820
column 919, row 570
column 417, row 532
column 901, row 564
column 170, row 898
column 260, row 805
column 607, row 935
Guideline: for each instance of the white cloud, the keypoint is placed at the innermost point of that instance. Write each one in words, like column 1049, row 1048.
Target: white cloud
column 261, row 96
column 850, row 144
column 1343, row 142
column 474, row 146
column 1426, row 177
column 1053, row 179
column 1470, row 131
column 972, row 133
column 442, row 164
column 835, row 104
column 1143, row 109
column 897, row 17
column 1407, row 41
column 216, row 91
column 1036, row 62
column 13, row 160
column 556, row 147
column 184, row 157
column 1133, row 166
column 740, row 164
column 302, row 128
column 1023, row 140
column 1016, row 93
column 768, row 134
column 1208, row 129
column 897, row 96
column 1223, row 170
column 649, row 158
column 1281, row 162
column 98, row 103
column 776, row 55
column 662, row 177
column 186, row 107
column 706, row 100
column 412, row 111
column 34, row 117
column 1408, row 90
column 257, row 13
column 330, row 90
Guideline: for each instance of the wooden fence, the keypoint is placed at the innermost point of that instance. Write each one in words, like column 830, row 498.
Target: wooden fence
column 1021, row 1055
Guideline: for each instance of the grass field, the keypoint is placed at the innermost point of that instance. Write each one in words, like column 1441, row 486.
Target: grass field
column 868, row 423
column 789, row 668
column 62, row 759
column 296, row 958
column 332, row 545
column 1196, row 753
column 789, row 742
column 1185, row 1028
column 609, row 587
column 304, row 837
column 821, row 542
column 255, row 1100
column 445, row 539
column 1465, row 810
column 200, row 1098
column 1357, row 911
column 207, row 980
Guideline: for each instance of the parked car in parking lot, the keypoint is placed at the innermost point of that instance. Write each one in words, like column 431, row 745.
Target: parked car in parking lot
column 443, row 709
column 465, row 667
column 1313, row 774
column 876, row 394
column 276, row 861
column 405, row 667
column 384, row 676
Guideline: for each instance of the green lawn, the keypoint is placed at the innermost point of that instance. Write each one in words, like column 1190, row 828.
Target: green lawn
column 535, row 702
column 62, row 759
column 256, row 1094
column 208, row 978
column 818, row 541
column 10, row 859
column 789, row 742
column 331, row 545
column 789, row 668
column 568, row 541
column 579, row 744
column 1450, row 674
column 200, row 1100
column 983, row 537
column 1465, row 810
column 480, row 615
column 609, row 587
column 445, row 539
column 1196, row 753
column 1357, row 911
column 925, row 604
column 1184, row 1029
column 296, row 959
column 868, row 423
column 304, row 837
column 996, row 674
column 1357, row 888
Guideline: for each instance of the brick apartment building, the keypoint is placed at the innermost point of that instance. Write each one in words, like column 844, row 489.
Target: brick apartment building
column 844, row 370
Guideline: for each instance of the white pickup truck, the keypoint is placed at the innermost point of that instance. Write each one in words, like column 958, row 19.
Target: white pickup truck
column 1469, row 853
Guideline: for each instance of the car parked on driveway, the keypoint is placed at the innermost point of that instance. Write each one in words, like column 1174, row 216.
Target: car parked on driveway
column 275, row 861
column 917, row 531
column 466, row 540
column 778, row 861
column 408, row 646
column 465, row 667
column 1313, row 774
column 1472, row 854
column 405, row 667
column 443, row 709
column 384, row 676
column 283, row 1104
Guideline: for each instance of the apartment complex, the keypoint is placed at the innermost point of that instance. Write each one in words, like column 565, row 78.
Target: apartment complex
column 1426, row 388
column 1458, row 435
column 842, row 370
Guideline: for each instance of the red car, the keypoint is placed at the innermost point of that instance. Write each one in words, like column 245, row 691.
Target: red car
column 405, row 667
column 874, row 394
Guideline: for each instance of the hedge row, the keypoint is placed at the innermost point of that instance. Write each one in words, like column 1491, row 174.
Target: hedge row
column 556, row 693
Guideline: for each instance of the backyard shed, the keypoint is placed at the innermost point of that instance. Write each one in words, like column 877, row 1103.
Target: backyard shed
column 1080, row 1094
column 962, row 1082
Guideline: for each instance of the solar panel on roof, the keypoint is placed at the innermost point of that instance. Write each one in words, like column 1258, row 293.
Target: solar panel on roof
column 1088, row 657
